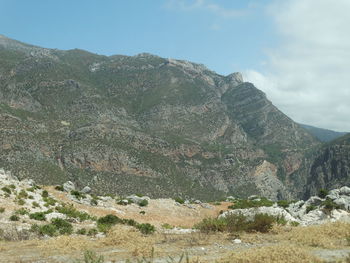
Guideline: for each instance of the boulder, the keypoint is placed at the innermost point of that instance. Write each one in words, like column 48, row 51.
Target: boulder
column 345, row 190
column 86, row 190
column 343, row 201
column 68, row 186
column 136, row 199
column 333, row 194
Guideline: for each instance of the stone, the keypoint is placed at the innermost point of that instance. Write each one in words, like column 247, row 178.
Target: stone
column 206, row 206
column 53, row 215
column 86, row 190
column 343, row 201
column 237, row 241
column 333, row 194
column 68, row 186
column 197, row 202
column 135, row 199
column 344, row 190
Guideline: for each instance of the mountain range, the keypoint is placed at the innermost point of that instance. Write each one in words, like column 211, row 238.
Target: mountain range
column 156, row 126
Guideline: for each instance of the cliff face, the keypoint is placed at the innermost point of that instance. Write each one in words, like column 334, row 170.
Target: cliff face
column 161, row 127
column 328, row 168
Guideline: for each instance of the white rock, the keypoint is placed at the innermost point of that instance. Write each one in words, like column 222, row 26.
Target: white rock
column 53, row 215
column 68, row 186
column 86, row 190
column 344, row 190
column 237, row 241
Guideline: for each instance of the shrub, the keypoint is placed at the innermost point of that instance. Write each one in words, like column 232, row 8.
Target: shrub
column 78, row 195
column 129, row 222
column 167, row 226
column 40, row 216
column 322, row 193
column 144, row 202
column 242, row 203
column 212, row 225
column 236, row 223
column 6, row 190
column 310, row 208
column 283, row 203
column 21, row 202
column 70, row 211
column 45, row 194
column 179, row 200
column 329, row 205
column 12, row 186
column 62, row 225
column 146, row 228
column 48, row 229
column 106, row 222
column 82, row 231
column 49, row 201
column 142, row 212
column 92, row 232
column 261, row 223
column 294, row 223
column 35, row 204
column 14, row 218
column 59, row 188
column 22, row 211
column 22, row 194
column 2, row 209
column 91, row 257
column 93, row 201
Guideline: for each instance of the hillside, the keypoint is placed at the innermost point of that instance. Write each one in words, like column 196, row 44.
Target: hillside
column 324, row 135
column 142, row 124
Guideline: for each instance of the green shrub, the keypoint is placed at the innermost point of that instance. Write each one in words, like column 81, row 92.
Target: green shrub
column 48, row 229
column 310, row 208
column 59, row 188
column 142, row 212
column 167, row 226
column 129, row 222
column 93, row 201
column 78, row 195
column 49, row 201
column 12, row 186
column 22, row 211
column 261, row 223
column 6, row 190
column 329, row 205
column 179, row 200
column 294, row 223
column 71, row 211
column 106, row 222
column 236, row 223
column 92, row 257
column 35, row 204
column 144, row 202
column 62, row 225
column 323, row 193
column 283, row 203
column 14, row 218
column 22, row 194
column 40, row 216
column 243, row 203
column 146, row 228
column 92, row 232
column 212, row 225
column 82, row 231
column 45, row 194
column 21, row 202
column 2, row 209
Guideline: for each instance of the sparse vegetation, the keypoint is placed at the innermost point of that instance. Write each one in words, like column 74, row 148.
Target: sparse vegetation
column 144, row 202
column 6, row 190
column 179, row 200
column 310, row 208
column 14, row 218
column 45, row 194
column 59, row 188
column 91, row 257
column 71, row 211
column 322, row 193
column 78, row 195
column 22, row 211
column 146, row 228
column 243, row 203
column 2, row 210
column 40, row 216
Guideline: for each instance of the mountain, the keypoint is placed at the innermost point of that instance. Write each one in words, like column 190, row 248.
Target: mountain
column 323, row 135
column 142, row 124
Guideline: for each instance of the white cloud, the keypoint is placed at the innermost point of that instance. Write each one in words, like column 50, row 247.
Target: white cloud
column 207, row 5
column 307, row 75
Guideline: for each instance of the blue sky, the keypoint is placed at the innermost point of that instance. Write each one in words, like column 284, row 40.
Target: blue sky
column 226, row 35
column 296, row 51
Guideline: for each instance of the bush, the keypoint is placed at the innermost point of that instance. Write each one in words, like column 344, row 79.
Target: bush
column 146, row 228
column 144, row 202
column 92, row 232
column 322, row 193
column 167, row 226
column 236, row 223
column 40, row 216
column 21, row 202
column 35, row 204
column 59, row 188
column 329, row 205
column 49, row 201
column 2, row 209
column 91, row 257
column 45, row 194
column 22, row 194
column 93, row 201
column 179, row 200
column 261, row 223
column 82, row 231
column 70, row 211
column 212, row 225
column 310, row 208
column 78, row 195
column 242, row 203
column 12, row 186
column 6, row 190
column 129, row 222
column 14, row 218
column 105, row 223
column 62, row 225
column 283, row 203
column 48, row 229
column 22, row 211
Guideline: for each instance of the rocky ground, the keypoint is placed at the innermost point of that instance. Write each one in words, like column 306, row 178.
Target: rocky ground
column 27, row 210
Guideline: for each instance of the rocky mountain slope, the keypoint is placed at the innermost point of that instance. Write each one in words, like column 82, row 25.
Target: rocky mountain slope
column 142, row 124
column 323, row 135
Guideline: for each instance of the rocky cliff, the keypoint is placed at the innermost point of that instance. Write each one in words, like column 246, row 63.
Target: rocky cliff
column 161, row 127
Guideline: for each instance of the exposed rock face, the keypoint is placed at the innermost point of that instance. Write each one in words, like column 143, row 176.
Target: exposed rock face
column 142, row 124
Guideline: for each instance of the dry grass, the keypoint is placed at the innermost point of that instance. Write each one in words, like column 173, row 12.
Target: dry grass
column 272, row 254
column 331, row 235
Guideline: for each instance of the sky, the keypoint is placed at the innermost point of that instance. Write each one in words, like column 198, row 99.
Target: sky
column 296, row 51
